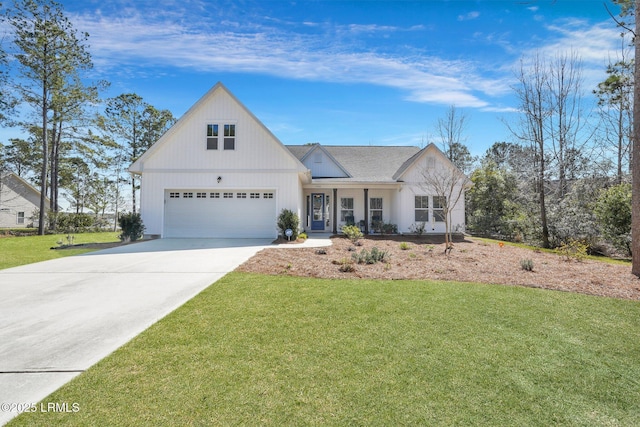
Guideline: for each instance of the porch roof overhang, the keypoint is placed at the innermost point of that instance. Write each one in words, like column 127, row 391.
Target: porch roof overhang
column 347, row 183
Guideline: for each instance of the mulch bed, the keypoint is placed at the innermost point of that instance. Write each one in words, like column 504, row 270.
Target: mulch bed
column 470, row 261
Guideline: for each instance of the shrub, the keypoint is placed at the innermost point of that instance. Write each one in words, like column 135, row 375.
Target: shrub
column 303, row 236
column 73, row 222
column 384, row 228
column 575, row 249
column 288, row 220
column 352, row 232
column 404, row 246
column 526, row 264
column 613, row 212
column 131, row 226
column 346, row 266
column 418, row 228
column 366, row 257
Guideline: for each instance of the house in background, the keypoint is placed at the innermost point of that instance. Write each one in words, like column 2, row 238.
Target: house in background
column 18, row 201
column 219, row 172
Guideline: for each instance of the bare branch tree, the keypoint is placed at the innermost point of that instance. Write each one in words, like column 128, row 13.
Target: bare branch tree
column 448, row 184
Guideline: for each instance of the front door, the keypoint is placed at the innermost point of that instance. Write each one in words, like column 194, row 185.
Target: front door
column 317, row 211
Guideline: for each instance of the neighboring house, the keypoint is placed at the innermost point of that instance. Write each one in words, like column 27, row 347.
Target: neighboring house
column 219, row 172
column 18, row 201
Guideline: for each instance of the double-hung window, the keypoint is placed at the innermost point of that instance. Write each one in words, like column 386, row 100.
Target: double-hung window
column 20, row 218
column 346, row 210
column 421, row 209
column 212, row 137
column 438, row 208
column 375, row 209
column 229, row 137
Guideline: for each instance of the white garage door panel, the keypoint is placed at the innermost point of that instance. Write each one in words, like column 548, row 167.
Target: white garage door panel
column 219, row 217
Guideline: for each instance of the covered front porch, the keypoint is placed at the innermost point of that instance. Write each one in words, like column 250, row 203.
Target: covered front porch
column 329, row 209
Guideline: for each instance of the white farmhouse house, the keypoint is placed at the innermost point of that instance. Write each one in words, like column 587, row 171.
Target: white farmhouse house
column 219, row 172
column 18, row 201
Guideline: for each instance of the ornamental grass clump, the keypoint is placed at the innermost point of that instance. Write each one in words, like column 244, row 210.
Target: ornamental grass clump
column 526, row 264
column 366, row 257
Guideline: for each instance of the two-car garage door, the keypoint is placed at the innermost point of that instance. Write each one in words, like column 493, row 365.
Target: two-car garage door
column 224, row 214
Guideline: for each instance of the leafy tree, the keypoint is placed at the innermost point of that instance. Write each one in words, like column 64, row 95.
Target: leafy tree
column 615, row 100
column 7, row 99
column 491, row 201
column 22, row 157
column 134, row 126
column 50, row 55
column 613, row 211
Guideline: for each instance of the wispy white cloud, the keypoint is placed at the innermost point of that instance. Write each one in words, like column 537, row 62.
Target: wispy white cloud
column 317, row 51
column 120, row 43
column 469, row 16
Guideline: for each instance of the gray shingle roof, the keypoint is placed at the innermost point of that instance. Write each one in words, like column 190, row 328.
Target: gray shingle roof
column 364, row 163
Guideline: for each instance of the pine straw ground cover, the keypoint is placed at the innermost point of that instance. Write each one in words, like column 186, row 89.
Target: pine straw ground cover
column 471, row 260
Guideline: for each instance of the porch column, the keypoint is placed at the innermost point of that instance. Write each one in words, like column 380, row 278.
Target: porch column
column 366, row 211
column 335, row 211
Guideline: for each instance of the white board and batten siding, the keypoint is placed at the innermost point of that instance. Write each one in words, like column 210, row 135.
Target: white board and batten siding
column 432, row 160
column 181, row 163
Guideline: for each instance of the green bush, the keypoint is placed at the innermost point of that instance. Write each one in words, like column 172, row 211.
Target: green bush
column 352, row 232
column 575, row 249
column 366, row 257
column 303, row 236
column 404, row 246
column 526, row 264
column 74, row 222
column 613, row 211
column 131, row 227
column 384, row 228
column 289, row 220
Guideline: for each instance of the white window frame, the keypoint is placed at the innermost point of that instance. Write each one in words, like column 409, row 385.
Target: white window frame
column 20, row 218
column 346, row 209
column 229, row 137
column 213, row 136
column 378, row 210
column 421, row 208
column 438, row 208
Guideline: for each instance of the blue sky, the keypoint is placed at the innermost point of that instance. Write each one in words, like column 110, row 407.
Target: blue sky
column 343, row 72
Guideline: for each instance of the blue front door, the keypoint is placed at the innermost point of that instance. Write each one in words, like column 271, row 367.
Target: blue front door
column 317, row 211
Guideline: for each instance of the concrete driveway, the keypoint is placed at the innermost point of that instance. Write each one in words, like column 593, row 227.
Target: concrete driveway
column 59, row 317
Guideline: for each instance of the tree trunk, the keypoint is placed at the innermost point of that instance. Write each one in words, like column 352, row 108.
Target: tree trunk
column 43, row 171
column 635, row 187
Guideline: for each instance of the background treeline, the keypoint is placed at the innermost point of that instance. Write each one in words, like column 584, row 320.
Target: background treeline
column 73, row 145
column 563, row 176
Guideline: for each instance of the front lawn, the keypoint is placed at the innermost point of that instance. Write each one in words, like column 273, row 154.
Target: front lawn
column 15, row 251
column 265, row 350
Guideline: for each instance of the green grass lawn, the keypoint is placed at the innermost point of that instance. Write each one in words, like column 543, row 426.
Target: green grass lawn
column 262, row 350
column 15, row 251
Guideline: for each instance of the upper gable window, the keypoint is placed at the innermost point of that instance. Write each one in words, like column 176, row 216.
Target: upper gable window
column 229, row 137
column 212, row 137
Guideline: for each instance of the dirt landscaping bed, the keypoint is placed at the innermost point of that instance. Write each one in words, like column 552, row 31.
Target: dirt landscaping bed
column 470, row 261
